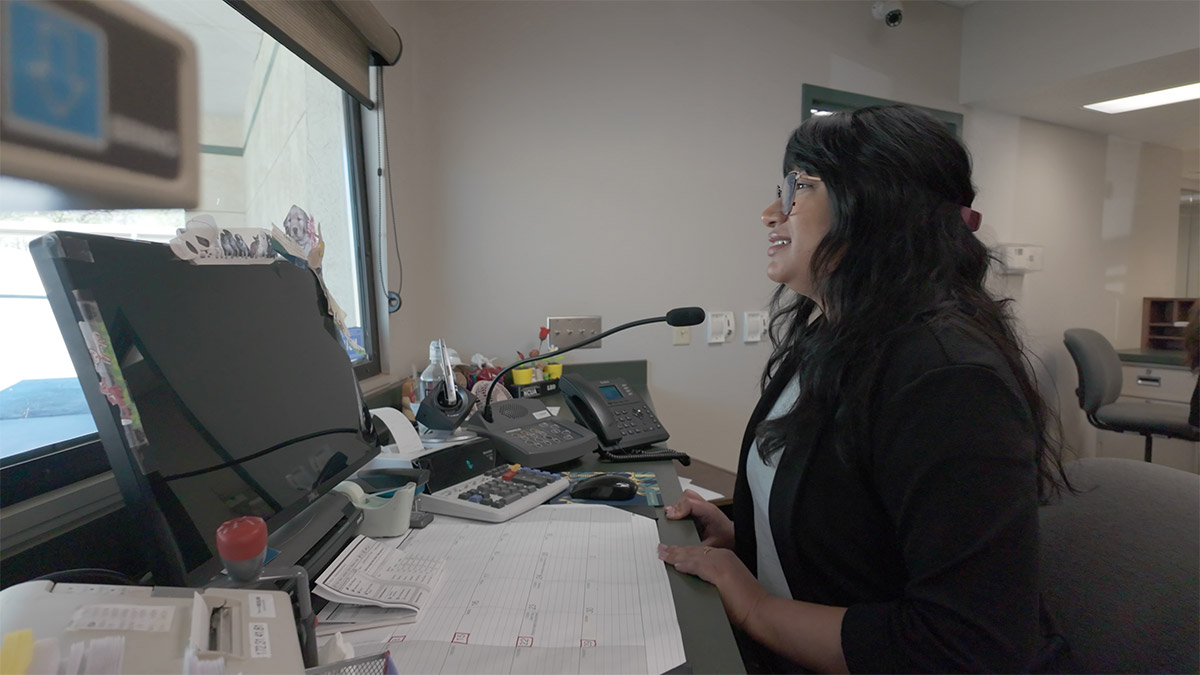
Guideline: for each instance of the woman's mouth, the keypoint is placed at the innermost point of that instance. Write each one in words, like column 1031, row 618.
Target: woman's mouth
column 776, row 243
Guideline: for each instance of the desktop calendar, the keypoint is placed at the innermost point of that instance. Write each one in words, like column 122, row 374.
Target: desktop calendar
column 560, row 589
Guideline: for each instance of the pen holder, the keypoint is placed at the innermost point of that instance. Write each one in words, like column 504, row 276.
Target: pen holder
column 382, row 516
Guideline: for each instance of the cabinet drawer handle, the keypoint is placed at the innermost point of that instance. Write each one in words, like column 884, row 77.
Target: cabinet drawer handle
column 1149, row 381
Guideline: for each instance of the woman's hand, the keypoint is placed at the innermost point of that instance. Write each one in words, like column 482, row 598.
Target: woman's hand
column 740, row 591
column 716, row 529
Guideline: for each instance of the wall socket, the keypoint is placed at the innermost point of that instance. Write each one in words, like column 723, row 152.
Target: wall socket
column 720, row 327
column 681, row 335
column 754, row 326
column 567, row 330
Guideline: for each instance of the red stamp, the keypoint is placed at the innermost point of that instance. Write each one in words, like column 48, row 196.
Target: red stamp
column 397, row 638
column 524, row 641
column 461, row 638
column 587, row 643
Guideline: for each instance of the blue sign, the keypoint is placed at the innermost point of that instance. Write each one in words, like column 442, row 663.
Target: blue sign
column 57, row 79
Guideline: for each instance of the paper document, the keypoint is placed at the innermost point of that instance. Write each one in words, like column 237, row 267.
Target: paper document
column 560, row 589
column 369, row 572
column 708, row 495
column 337, row 617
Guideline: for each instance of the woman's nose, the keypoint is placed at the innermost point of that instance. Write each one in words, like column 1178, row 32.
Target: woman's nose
column 773, row 214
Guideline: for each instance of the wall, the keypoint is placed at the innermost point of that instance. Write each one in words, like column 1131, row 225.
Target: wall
column 1106, row 211
column 613, row 159
column 1187, row 271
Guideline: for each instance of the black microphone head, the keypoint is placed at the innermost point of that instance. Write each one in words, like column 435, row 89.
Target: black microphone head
column 686, row 316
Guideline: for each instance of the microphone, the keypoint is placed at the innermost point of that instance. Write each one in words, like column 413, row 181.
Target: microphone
column 680, row 316
column 685, row 316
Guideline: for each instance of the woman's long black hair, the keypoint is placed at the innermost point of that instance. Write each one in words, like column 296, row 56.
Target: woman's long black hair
column 897, row 254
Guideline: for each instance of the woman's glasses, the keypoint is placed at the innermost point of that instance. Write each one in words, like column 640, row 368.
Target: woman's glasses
column 787, row 193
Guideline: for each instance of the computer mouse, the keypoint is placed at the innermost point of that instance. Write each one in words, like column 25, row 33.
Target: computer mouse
column 608, row 487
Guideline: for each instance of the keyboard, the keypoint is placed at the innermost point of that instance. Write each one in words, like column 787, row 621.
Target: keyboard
column 497, row 495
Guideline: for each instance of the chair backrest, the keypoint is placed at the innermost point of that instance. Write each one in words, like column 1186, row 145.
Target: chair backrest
column 1098, row 365
column 1120, row 568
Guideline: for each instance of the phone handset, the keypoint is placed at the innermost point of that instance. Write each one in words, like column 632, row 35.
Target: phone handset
column 589, row 406
column 613, row 411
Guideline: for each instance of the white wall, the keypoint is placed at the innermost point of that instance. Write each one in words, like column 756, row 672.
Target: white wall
column 613, row 159
column 1106, row 211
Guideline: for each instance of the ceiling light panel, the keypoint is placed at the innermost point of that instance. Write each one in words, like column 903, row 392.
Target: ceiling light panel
column 1152, row 99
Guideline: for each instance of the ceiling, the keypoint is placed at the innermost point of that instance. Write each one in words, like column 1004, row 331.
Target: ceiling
column 1176, row 125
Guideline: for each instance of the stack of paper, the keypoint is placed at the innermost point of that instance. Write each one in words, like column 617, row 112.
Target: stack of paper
column 372, row 584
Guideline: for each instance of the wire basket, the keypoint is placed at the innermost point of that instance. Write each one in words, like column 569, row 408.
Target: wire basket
column 372, row 664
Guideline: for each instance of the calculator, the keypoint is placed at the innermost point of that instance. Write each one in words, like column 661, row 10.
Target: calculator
column 497, row 494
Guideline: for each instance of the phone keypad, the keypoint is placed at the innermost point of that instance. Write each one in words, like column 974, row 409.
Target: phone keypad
column 542, row 435
column 636, row 419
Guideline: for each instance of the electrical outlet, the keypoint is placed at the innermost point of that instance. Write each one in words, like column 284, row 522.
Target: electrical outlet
column 567, row 330
column 682, row 335
column 720, row 327
column 754, row 325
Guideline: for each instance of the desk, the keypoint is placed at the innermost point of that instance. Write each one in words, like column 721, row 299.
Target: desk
column 707, row 638
column 1159, row 377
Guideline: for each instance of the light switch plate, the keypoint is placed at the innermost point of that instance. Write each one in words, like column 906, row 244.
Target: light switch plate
column 754, row 326
column 682, row 335
column 567, row 330
column 720, row 327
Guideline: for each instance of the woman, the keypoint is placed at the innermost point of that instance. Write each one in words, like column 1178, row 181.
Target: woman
column 885, row 513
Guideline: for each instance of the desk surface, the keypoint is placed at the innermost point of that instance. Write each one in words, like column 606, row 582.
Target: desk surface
column 707, row 638
column 1153, row 357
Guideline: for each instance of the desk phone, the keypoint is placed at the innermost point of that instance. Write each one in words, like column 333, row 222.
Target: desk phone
column 611, row 408
column 525, row 433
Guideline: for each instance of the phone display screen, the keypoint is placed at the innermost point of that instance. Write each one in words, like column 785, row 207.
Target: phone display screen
column 610, row 392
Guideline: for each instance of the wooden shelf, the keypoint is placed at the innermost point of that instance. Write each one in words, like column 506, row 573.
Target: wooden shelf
column 1160, row 319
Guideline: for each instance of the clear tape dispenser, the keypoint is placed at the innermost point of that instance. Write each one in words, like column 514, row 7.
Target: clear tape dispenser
column 383, row 516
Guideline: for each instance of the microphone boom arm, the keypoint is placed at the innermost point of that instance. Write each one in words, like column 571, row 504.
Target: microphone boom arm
column 487, row 399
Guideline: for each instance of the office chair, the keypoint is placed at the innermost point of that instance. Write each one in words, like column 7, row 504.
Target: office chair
column 1100, row 385
column 1120, row 568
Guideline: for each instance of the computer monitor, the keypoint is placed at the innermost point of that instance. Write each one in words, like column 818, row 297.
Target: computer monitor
column 218, row 391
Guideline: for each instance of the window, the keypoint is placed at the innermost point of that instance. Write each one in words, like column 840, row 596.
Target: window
column 824, row 101
column 275, row 134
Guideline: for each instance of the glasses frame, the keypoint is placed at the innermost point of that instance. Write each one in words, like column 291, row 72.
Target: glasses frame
column 785, row 205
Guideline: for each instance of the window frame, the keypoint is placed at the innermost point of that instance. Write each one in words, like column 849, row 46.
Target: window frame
column 835, row 100
column 361, row 217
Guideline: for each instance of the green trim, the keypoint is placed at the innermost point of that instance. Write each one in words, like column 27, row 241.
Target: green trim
column 229, row 150
column 834, row 100
column 261, row 92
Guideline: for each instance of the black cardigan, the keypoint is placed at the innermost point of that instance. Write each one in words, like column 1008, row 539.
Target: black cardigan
column 930, row 535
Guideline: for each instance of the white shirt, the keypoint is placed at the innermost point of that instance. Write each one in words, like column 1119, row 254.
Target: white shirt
column 761, row 477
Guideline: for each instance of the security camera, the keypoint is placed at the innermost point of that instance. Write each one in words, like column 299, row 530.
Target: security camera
column 890, row 12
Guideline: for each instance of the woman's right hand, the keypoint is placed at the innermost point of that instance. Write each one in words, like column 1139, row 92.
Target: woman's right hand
column 716, row 529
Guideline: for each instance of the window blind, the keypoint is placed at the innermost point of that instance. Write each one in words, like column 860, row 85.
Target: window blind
column 339, row 38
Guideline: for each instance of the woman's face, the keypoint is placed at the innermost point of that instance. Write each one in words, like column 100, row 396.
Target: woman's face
column 794, row 237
